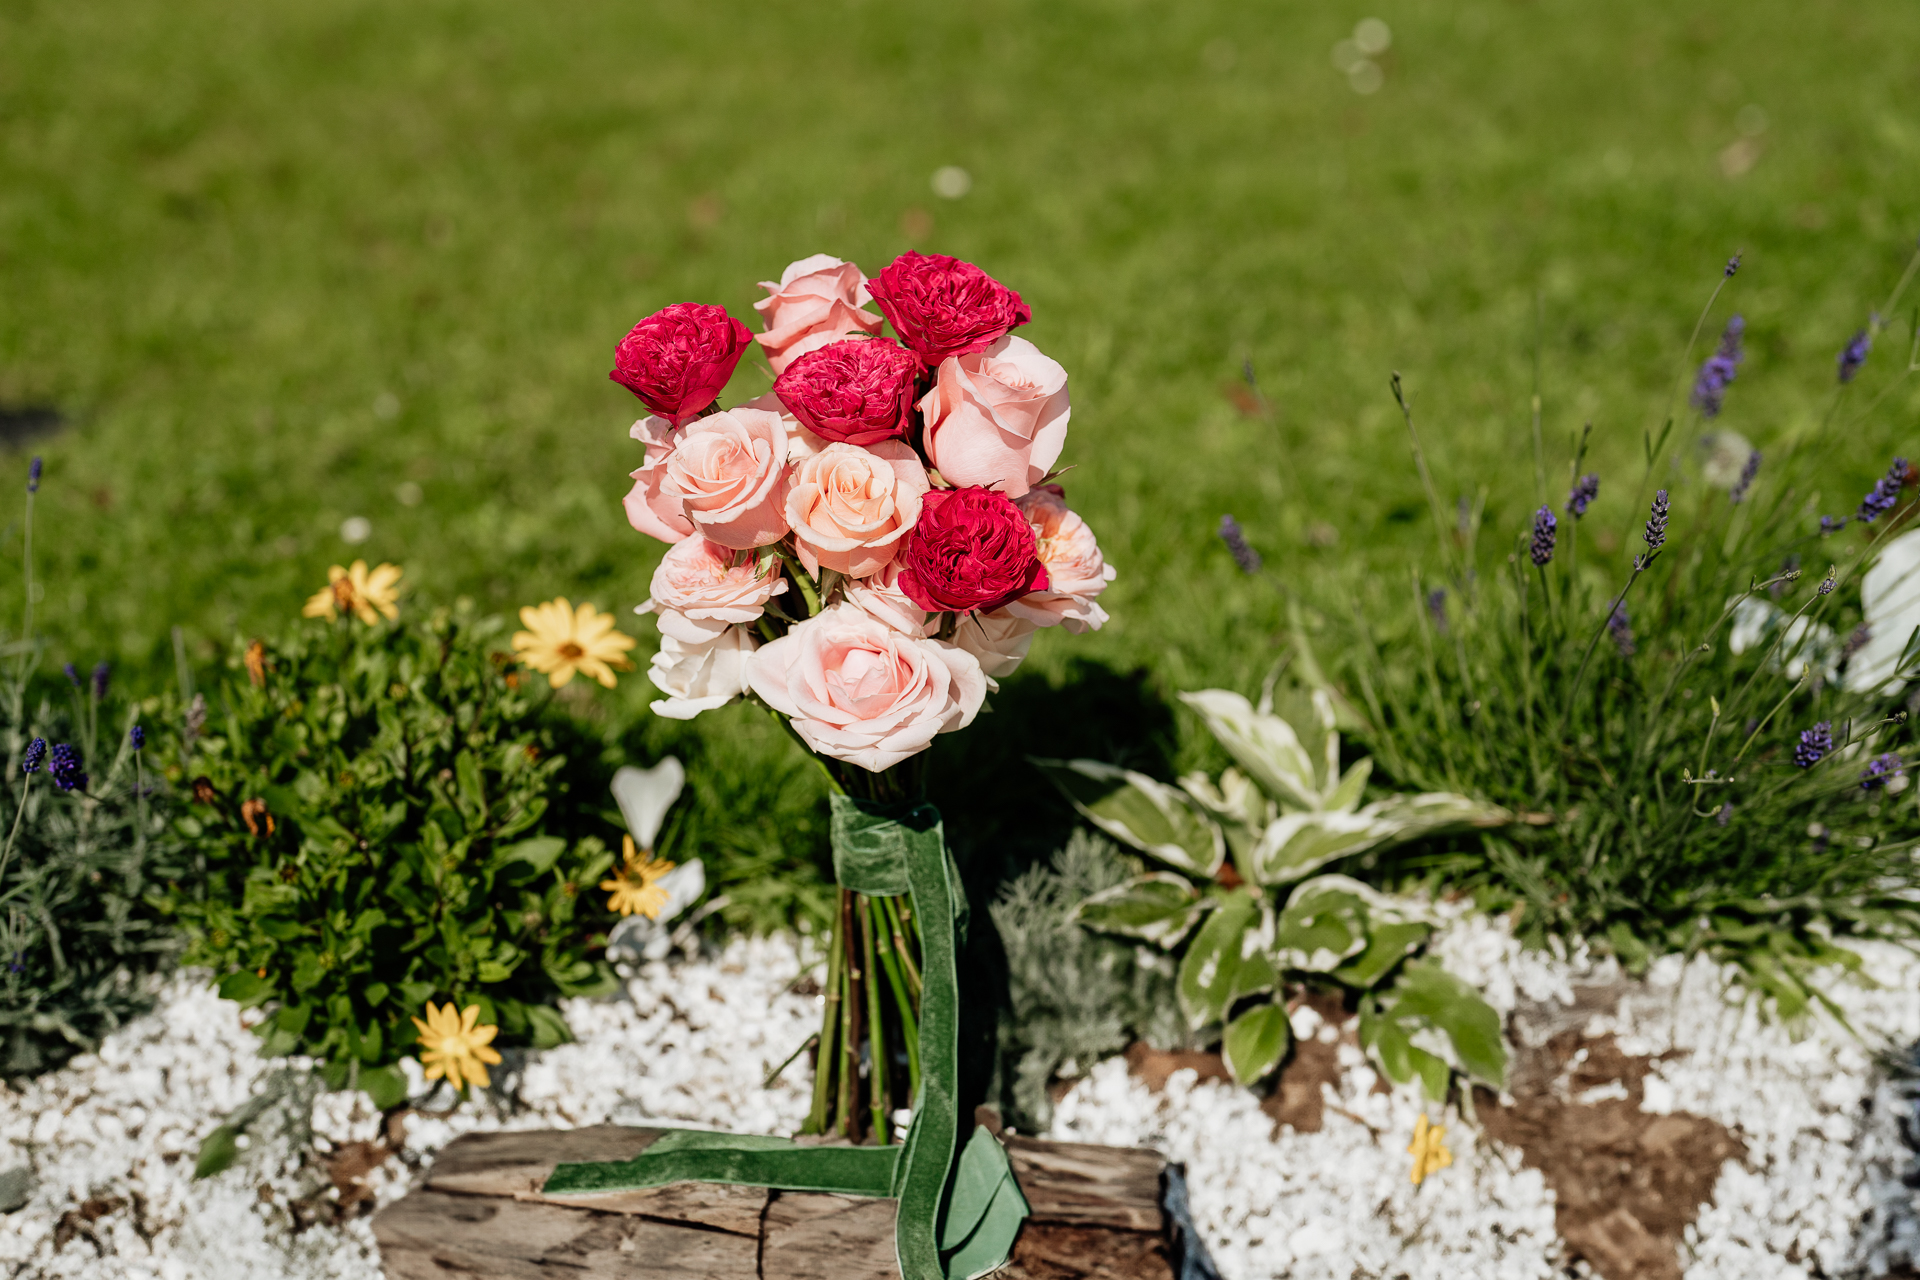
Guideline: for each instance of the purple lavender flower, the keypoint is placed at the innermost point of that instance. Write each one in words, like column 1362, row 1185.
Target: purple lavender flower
column 1855, row 643
column 33, row 476
column 137, row 736
column 1656, row 531
column 1543, row 533
column 1437, row 606
column 1880, row 771
column 65, row 768
column 1726, row 813
column 36, row 752
column 100, row 673
column 1814, row 744
column 1720, row 369
column 1745, row 482
column 1620, row 627
column 1854, row 354
column 1243, row 555
column 1828, row 583
column 1885, row 492
column 73, row 675
column 1585, row 490
column 1733, row 265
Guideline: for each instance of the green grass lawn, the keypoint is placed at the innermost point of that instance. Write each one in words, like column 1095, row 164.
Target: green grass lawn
column 285, row 265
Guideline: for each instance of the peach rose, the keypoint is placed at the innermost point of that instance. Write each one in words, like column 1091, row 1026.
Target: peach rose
column 701, row 588
column 998, row 640
column 859, row 691
column 997, row 418
column 650, row 508
column 850, row 505
column 700, row 677
column 817, row 301
column 729, row 472
column 1076, row 571
column 881, row 597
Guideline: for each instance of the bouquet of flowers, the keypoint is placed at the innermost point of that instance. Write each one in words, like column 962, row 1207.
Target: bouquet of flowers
column 863, row 550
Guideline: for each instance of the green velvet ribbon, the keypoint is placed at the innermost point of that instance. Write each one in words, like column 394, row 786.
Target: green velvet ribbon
column 958, row 1217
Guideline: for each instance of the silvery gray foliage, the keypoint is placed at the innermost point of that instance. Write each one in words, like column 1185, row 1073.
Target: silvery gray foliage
column 1074, row 996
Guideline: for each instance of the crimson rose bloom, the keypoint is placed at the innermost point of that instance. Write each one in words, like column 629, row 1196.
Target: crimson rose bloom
column 942, row 307
column 971, row 549
column 857, row 392
column 678, row 359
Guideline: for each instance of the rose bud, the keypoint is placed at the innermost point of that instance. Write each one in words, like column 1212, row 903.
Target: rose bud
column 860, row 391
column 678, row 359
column 942, row 307
column 971, row 549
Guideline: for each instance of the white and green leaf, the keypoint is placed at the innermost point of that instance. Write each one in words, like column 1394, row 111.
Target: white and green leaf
column 1388, row 943
column 1324, row 925
column 1158, row 907
column 1255, row 1042
column 1295, row 845
column 1227, row 960
column 1147, row 814
column 1263, row 744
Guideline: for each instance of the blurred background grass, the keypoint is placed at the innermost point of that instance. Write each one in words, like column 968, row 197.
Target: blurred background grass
column 282, row 266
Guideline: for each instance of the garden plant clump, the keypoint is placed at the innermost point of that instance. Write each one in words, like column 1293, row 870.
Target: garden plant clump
column 390, row 816
column 1703, row 719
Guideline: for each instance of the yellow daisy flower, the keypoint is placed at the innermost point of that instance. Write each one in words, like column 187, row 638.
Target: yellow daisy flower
column 366, row 595
column 451, row 1045
column 1429, row 1149
column 560, row 641
column 634, row 888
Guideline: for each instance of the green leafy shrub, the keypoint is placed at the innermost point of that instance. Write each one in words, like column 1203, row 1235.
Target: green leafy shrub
column 1703, row 713
column 1253, row 921
column 1074, row 996
column 390, row 815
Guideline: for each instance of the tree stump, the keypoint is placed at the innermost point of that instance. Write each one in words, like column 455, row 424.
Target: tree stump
column 479, row 1214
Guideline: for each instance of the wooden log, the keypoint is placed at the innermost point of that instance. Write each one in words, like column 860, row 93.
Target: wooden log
column 479, row 1215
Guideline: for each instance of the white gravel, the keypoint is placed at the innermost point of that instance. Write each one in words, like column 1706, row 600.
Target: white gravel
column 691, row 1042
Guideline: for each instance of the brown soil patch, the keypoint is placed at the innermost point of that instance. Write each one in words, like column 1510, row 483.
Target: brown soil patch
column 1051, row 1251
column 1154, row 1066
column 80, row 1221
column 1627, row 1183
column 1297, row 1100
column 350, row 1164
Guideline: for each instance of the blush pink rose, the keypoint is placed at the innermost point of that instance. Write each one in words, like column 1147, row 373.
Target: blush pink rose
column 880, row 596
column 850, row 507
column 997, row 418
column 701, row 588
column 998, row 640
column 700, row 676
column 859, row 691
column 1076, row 571
column 817, row 301
column 650, row 508
column 729, row 472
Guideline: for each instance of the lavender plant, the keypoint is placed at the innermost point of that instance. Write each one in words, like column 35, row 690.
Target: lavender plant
column 1698, row 763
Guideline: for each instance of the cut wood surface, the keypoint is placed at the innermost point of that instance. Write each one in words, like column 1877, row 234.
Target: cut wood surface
column 479, row 1214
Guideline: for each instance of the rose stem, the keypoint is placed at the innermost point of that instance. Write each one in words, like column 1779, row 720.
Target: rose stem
column 909, row 1025
column 849, row 1032
column 876, row 1076
column 895, row 909
column 823, row 1061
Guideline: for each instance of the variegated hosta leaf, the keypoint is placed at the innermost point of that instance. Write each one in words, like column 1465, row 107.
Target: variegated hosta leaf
column 1158, row 907
column 1409, row 817
column 1352, row 786
column 1227, row 959
column 1137, row 810
column 1298, row 844
column 1241, row 809
column 1388, row 943
column 1255, row 1042
column 1323, row 925
column 1264, row 745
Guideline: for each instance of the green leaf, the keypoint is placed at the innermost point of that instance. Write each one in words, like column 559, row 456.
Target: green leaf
column 1324, row 924
column 529, row 858
column 1158, row 907
column 1227, row 960
column 1264, row 745
column 245, row 988
column 1353, row 785
column 1298, row 844
column 1426, row 992
column 1255, row 1042
column 385, row 1087
column 1388, row 943
column 546, row 1027
column 1139, row 811
column 218, row 1151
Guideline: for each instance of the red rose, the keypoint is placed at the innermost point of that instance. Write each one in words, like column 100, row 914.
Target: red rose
column 679, row 358
column 942, row 307
column 858, row 392
column 971, row 549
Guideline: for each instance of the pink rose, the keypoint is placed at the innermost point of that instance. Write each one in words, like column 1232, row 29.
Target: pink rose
column 857, row 690
column 1076, row 571
column 817, row 301
column 701, row 588
column 997, row 419
column 729, row 472
column 860, row 391
column 701, row 676
column 650, row 508
column 881, row 597
column 999, row 640
column 850, row 507
column 679, row 358
column 942, row 307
